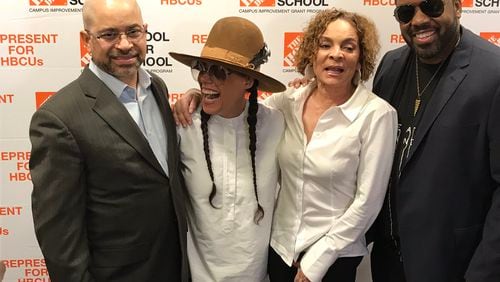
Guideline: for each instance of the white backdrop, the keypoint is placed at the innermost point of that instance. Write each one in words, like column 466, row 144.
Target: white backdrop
column 40, row 51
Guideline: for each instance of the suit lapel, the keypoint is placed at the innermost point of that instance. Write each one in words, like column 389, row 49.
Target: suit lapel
column 160, row 93
column 453, row 75
column 109, row 108
column 177, row 186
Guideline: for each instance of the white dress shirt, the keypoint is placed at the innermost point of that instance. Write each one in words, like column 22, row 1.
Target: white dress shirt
column 332, row 187
column 224, row 243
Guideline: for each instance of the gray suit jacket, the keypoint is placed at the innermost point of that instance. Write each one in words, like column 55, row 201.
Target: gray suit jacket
column 103, row 208
column 448, row 198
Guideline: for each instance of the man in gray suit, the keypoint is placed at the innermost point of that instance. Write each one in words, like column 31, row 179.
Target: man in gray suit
column 108, row 199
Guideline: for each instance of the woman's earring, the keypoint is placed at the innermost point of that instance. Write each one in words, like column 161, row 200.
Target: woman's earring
column 357, row 77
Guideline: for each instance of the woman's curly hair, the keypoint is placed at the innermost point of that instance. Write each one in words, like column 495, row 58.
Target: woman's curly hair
column 367, row 34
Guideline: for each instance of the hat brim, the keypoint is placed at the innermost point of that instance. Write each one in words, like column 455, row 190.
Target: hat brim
column 266, row 83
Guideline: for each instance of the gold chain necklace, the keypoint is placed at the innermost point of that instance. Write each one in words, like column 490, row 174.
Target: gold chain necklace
column 418, row 100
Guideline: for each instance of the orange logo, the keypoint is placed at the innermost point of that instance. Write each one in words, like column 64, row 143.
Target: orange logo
column 48, row 2
column 291, row 44
column 257, row 3
column 493, row 37
column 84, row 54
column 261, row 95
column 467, row 3
column 42, row 97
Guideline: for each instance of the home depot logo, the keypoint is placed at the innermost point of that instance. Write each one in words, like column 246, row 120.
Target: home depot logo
column 55, row 6
column 48, row 2
column 42, row 97
column 84, row 54
column 257, row 3
column 261, row 95
column 291, row 44
column 493, row 37
column 467, row 3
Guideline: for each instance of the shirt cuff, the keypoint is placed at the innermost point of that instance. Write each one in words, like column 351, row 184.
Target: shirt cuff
column 318, row 259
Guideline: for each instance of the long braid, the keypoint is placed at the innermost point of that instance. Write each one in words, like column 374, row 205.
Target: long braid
column 206, row 148
column 253, row 107
column 252, row 122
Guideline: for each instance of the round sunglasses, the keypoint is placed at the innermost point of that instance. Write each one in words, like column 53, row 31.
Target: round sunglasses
column 432, row 8
column 213, row 70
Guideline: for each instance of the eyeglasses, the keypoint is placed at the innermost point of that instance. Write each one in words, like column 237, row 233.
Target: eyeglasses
column 432, row 8
column 217, row 71
column 113, row 36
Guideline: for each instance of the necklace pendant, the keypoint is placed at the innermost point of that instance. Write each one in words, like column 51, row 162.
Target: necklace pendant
column 417, row 105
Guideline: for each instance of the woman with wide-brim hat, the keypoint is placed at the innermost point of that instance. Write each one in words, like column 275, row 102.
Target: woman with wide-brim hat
column 335, row 156
column 229, row 157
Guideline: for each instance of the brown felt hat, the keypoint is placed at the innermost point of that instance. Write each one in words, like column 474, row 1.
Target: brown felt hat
column 237, row 44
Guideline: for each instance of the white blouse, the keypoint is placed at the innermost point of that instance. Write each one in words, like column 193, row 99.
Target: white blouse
column 224, row 243
column 333, row 187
